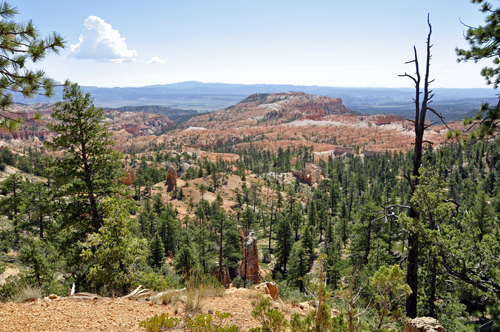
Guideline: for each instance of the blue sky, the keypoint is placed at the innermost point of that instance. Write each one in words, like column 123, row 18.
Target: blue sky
column 339, row 43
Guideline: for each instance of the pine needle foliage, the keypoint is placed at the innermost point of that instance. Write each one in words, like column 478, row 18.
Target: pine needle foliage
column 20, row 44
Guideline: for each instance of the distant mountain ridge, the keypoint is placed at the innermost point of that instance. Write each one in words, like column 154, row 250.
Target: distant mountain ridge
column 193, row 95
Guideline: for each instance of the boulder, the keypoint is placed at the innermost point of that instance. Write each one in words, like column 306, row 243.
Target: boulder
column 424, row 324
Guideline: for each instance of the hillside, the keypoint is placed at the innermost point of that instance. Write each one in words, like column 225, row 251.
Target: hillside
column 123, row 123
column 270, row 109
column 179, row 115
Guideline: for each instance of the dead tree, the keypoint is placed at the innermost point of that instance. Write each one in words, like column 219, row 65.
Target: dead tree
column 422, row 100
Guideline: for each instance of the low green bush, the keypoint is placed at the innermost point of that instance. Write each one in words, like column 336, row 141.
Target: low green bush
column 201, row 323
column 160, row 323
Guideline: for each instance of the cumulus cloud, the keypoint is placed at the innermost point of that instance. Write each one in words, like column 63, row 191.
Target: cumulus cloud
column 156, row 60
column 100, row 41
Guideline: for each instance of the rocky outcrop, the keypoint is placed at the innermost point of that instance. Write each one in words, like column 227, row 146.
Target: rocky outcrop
column 270, row 109
column 424, row 324
column 372, row 153
column 249, row 268
column 339, row 150
column 26, row 134
column 311, row 174
column 135, row 129
column 388, row 119
column 171, row 176
column 324, row 155
column 270, row 288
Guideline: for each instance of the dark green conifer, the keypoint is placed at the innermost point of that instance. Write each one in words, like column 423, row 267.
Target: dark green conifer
column 308, row 242
column 332, row 265
column 185, row 260
column 156, row 254
column 298, row 266
column 312, row 217
column 284, row 243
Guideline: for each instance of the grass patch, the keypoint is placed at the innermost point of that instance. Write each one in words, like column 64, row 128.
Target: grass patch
column 199, row 288
column 27, row 293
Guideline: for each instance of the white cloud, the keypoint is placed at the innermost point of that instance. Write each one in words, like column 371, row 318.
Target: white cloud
column 100, row 41
column 156, row 60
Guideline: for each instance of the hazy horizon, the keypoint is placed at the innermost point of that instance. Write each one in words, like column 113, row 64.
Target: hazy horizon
column 323, row 43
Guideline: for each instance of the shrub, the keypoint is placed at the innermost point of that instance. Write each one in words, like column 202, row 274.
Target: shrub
column 272, row 320
column 159, row 323
column 238, row 282
column 266, row 256
column 291, row 294
column 161, row 281
column 202, row 323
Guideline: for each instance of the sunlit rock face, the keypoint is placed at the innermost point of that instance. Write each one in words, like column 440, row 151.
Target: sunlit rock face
column 311, row 174
column 249, row 267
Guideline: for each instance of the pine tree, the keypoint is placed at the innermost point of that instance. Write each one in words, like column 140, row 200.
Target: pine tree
column 333, row 266
column 366, row 231
column 40, row 204
column 312, row 214
column 158, row 205
column 284, row 242
column 329, row 235
column 298, row 266
column 334, row 198
column 36, row 254
column 248, row 218
column 228, row 241
column 203, row 245
column 308, row 242
column 156, row 254
column 185, row 260
column 296, row 221
column 22, row 43
column 90, row 169
column 12, row 203
column 112, row 254
column 169, row 228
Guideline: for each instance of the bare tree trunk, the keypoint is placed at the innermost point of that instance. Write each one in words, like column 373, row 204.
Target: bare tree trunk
column 420, row 127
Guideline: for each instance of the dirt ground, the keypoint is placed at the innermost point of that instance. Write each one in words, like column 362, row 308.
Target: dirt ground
column 114, row 315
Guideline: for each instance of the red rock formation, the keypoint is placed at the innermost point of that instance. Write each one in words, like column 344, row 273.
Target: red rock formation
column 339, row 150
column 272, row 108
column 249, row 268
column 171, row 177
column 135, row 129
column 311, row 174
